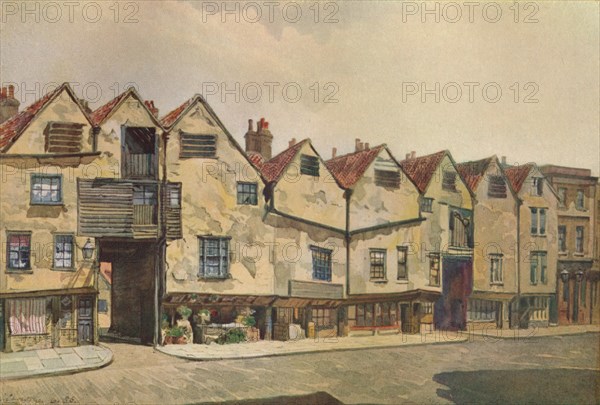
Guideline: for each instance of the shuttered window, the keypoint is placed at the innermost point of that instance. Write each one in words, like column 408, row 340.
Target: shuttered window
column 497, row 187
column 64, row 137
column 309, row 165
column 387, row 178
column 198, row 146
column 449, row 181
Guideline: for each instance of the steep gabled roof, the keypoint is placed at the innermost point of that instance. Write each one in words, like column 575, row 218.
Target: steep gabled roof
column 421, row 169
column 273, row 169
column 472, row 172
column 517, row 175
column 11, row 129
column 256, row 159
column 103, row 113
column 348, row 169
column 172, row 117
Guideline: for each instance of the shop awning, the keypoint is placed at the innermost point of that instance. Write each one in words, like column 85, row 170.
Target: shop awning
column 412, row 295
column 48, row 293
column 218, row 299
column 493, row 296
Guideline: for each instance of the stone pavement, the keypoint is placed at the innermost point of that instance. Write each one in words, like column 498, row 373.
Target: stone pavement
column 275, row 348
column 32, row 363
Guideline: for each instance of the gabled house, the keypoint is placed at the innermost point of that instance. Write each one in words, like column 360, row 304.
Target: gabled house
column 223, row 263
column 129, row 209
column 538, row 241
column 446, row 251
column 386, row 290
column 496, row 260
column 307, row 210
column 47, row 278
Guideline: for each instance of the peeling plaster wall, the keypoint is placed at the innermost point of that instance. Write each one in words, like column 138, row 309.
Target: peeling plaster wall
column 387, row 239
column 529, row 242
column 209, row 207
column 43, row 221
column 495, row 221
column 374, row 205
column 63, row 109
column 318, row 199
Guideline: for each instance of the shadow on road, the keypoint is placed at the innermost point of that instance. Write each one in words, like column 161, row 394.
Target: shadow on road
column 317, row 398
column 550, row 386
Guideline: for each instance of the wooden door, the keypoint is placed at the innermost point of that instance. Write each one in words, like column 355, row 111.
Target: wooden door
column 85, row 320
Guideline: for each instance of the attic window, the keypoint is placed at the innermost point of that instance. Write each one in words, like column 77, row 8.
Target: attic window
column 537, row 186
column 449, row 181
column 496, row 187
column 198, row 146
column 309, row 165
column 63, row 137
column 387, row 178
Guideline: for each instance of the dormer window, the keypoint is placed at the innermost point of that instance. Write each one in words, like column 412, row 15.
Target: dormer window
column 63, row 137
column 309, row 165
column 537, row 186
column 449, row 181
column 496, row 187
column 387, row 178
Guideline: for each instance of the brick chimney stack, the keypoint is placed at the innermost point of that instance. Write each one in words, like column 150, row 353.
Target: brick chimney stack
column 292, row 142
column 9, row 105
column 358, row 145
column 151, row 107
column 413, row 154
column 333, row 152
column 259, row 141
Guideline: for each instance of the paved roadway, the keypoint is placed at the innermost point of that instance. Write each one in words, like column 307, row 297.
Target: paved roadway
column 539, row 370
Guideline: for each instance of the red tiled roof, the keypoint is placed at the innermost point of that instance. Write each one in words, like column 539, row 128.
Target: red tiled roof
column 472, row 172
column 11, row 129
column 350, row 168
column 100, row 114
column 106, row 271
column 256, row 159
column 517, row 175
column 273, row 169
column 422, row 168
column 174, row 115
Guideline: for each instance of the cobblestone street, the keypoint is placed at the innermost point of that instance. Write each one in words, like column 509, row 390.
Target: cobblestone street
column 562, row 369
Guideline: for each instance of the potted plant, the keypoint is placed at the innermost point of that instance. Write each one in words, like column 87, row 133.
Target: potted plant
column 253, row 334
column 177, row 335
column 184, row 311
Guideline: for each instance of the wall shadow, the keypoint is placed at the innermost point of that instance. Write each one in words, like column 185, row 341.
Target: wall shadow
column 316, row 398
column 537, row 386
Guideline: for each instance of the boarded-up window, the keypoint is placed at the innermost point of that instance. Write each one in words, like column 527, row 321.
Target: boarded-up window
column 387, row 178
column 497, row 187
column 309, row 165
column 449, row 181
column 63, row 137
column 198, row 146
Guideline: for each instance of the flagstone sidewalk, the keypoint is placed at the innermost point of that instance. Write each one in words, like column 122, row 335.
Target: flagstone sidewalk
column 275, row 348
column 33, row 363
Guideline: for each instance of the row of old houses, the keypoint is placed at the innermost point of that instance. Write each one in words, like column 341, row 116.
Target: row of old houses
column 118, row 217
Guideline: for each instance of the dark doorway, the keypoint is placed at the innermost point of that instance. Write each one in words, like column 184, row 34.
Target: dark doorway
column 85, row 320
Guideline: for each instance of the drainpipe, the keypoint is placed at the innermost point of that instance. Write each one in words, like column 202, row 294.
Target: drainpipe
column 160, row 258
column 348, row 239
column 518, row 257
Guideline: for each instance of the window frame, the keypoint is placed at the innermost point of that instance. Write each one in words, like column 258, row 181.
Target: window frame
column 207, row 141
column 562, row 197
column 317, row 267
column 54, row 252
column 402, row 252
column 562, row 239
column 538, row 218
column 105, row 310
column 249, row 193
column 537, row 186
column 435, row 258
column 9, row 267
column 35, row 176
column 426, row 202
column 496, row 273
column 380, row 273
column 224, row 258
column 494, row 180
column 387, row 178
column 449, row 180
column 579, row 239
column 538, row 267
column 578, row 206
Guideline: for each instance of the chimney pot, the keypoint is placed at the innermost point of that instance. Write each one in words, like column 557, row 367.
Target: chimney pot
column 367, row 146
column 11, row 91
column 503, row 160
column 250, row 125
column 413, row 154
column 292, row 142
column 407, row 156
column 261, row 123
column 3, row 92
column 333, row 152
column 266, row 125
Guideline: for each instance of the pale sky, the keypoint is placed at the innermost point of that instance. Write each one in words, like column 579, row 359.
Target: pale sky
column 375, row 60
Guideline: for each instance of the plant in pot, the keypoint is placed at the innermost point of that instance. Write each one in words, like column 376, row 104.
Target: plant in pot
column 253, row 333
column 177, row 335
